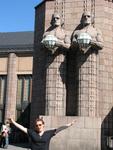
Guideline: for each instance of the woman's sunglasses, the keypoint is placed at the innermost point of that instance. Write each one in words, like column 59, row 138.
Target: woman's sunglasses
column 38, row 125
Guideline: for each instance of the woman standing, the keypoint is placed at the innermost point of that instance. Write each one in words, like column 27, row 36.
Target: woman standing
column 40, row 138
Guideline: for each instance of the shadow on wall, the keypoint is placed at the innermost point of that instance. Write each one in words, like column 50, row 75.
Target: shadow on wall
column 75, row 60
column 16, row 135
column 107, row 132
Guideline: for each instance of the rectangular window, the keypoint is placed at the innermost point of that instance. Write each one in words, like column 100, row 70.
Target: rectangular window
column 3, row 79
column 24, row 89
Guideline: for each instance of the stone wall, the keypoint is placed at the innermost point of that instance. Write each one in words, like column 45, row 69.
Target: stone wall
column 95, row 96
column 93, row 103
column 83, row 135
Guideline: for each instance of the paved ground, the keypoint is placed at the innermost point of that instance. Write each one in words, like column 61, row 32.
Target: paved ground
column 17, row 147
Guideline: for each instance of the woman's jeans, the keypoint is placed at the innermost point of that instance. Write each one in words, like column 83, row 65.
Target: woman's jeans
column 6, row 141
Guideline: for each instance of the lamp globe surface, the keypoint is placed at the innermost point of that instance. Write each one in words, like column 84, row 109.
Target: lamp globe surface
column 49, row 41
column 84, row 40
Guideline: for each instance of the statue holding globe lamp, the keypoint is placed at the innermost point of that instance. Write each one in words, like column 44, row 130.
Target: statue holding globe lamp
column 55, row 43
column 87, row 41
column 87, row 36
column 56, row 37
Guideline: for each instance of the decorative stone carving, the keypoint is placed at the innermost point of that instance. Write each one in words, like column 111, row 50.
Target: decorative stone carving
column 55, row 37
column 86, row 36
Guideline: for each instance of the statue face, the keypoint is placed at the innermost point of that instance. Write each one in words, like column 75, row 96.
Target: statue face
column 56, row 21
column 86, row 18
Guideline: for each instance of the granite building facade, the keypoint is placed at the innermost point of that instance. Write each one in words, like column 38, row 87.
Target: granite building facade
column 16, row 52
column 83, row 89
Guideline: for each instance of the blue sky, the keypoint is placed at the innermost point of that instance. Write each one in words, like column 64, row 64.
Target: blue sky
column 17, row 15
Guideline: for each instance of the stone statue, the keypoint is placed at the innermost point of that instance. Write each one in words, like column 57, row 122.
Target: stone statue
column 56, row 37
column 56, row 42
column 86, row 42
column 86, row 36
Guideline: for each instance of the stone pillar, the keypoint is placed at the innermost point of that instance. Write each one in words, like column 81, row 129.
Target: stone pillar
column 10, row 103
column 55, row 85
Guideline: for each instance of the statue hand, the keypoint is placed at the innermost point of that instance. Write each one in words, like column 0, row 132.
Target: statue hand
column 59, row 43
column 93, row 41
column 97, row 44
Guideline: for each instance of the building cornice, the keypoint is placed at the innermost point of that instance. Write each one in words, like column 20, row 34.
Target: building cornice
column 17, row 49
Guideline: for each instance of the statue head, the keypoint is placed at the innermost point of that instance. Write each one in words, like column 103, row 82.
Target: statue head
column 56, row 20
column 86, row 18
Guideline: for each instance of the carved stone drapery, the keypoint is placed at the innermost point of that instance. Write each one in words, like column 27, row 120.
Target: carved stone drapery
column 55, row 86
column 88, row 84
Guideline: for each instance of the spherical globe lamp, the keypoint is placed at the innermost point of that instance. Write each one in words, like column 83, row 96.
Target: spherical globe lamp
column 49, row 41
column 84, row 40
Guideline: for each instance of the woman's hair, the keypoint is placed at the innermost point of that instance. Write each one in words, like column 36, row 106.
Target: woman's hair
column 39, row 119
